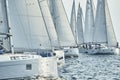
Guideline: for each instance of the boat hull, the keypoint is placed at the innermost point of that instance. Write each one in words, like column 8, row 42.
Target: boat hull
column 20, row 66
column 72, row 52
column 48, row 67
column 60, row 57
column 103, row 51
column 18, row 69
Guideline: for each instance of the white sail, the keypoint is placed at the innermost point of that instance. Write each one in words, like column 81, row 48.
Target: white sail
column 49, row 23
column 110, row 31
column 27, row 25
column 100, row 34
column 61, row 22
column 89, row 22
column 80, row 26
column 4, row 26
column 73, row 20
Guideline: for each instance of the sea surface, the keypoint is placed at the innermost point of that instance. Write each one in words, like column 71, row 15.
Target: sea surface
column 91, row 67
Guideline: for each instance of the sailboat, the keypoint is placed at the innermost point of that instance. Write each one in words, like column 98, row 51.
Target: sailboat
column 22, row 66
column 13, row 65
column 80, row 36
column 50, row 27
column 89, row 26
column 63, row 29
column 104, row 37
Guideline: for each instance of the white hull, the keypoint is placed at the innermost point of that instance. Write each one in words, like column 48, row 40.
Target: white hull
column 16, row 66
column 103, row 51
column 71, row 52
column 60, row 57
column 48, row 67
column 82, row 50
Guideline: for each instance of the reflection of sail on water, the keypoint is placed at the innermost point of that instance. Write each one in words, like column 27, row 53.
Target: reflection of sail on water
column 28, row 25
column 110, row 31
column 61, row 22
column 73, row 21
column 89, row 22
column 80, row 37
column 4, row 27
column 104, row 32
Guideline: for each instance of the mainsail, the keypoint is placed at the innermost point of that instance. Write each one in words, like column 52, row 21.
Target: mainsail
column 27, row 25
column 89, row 22
column 73, row 20
column 80, row 37
column 110, row 31
column 104, row 31
column 100, row 34
column 4, row 27
column 61, row 22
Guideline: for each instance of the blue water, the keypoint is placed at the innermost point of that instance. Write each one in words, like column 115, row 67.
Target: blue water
column 92, row 67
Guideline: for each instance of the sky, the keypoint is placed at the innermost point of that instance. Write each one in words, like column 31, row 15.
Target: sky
column 114, row 6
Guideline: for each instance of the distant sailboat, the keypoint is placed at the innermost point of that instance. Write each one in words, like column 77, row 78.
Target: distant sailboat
column 89, row 26
column 77, row 25
column 62, row 27
column 50, row 27
column 104, row 37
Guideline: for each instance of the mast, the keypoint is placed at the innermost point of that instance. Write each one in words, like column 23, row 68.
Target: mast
column 4, row 27
column 62, row 25
column 9, row 31
column 73, row 21
column 80, row 36
column 89, row 22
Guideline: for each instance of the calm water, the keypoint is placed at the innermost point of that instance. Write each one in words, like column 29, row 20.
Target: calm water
column 92, row 67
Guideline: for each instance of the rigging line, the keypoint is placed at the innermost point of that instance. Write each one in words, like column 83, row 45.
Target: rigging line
column 29, row 29
column 21, row 23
